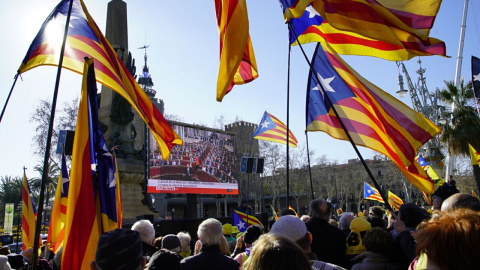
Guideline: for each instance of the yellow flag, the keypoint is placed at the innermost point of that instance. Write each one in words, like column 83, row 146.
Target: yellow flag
column 474, row 155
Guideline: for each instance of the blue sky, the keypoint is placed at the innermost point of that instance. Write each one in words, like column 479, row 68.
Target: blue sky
column 183, row 60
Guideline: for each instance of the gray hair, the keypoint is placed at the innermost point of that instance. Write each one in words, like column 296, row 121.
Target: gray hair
column 345, row 221
column 184, row 240
column 145, row 228
column 316, row 210
column 210, row 232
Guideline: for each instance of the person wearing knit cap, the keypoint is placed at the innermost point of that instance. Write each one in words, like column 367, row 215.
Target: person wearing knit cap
column 120, row 249
column 171, row 242
column 164, row 259
column 249, row 237
column 294, row 229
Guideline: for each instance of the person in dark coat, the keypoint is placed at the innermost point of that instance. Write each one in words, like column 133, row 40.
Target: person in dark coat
column 207, row 249
column 328, row 241
column 378, row 243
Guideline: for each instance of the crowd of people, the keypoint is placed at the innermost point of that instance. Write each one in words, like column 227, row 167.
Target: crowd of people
column 410, row 238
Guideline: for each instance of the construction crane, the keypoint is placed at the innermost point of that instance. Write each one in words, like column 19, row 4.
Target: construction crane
column 427, row 104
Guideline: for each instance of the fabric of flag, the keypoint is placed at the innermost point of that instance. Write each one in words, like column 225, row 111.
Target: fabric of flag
column 91, row 209
column 59, row 209
column 476, row 76
column 475, row 194
column 86, row 40
column 240, row 220
column 237, row 60
column 371, row 193
column 429, row 170
column 274, row 130
column 311, row 27
column 474, row 155
column 404, row 23
column 291, row 208
column 427, row 198
column 372, row 117
column 293, row 8
column 29, row 216
column 274, row 212
column 394, row 201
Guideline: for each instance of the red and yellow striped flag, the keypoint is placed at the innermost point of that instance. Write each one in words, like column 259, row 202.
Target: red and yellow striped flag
column 394, row 201
column 86, row 40
column 252, row 220
column 237, row 60
column 29, row 216
column 371, row 193
column 59, row 209
column 273, row 130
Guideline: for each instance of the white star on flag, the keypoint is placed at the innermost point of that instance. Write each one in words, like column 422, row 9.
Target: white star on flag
column 265, row 124
column 312, row 12
column 326, row 85
column 240, row 225
column 476, row 77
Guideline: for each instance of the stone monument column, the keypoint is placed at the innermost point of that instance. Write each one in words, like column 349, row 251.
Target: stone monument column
column 116, row 115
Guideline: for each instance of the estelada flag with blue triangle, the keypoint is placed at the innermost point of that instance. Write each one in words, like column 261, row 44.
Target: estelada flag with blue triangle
column 371, row 193
column 274, row 130
column 240, row 220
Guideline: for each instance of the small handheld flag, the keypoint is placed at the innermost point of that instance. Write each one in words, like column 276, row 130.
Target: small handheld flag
column 474, row 156
column 394, row 201
column 29, row 215
column 274, row 130
column 371, row 193
column 291, row 208
column 274, row 212
column 429, row 170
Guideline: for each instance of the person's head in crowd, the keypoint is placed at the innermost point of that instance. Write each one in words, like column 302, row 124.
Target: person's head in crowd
column 4, row 265
column 28, row 255
column 270, row 223
column 273, row 252
column 339, row 211
column 164, row 259
column 376, row 211
column 210, row 232
column 333, row 222
column 450, row 240
column 365, row 213
column 16, row 261
column 157, row 243
column 185, row 239
column 235, row 231
column 442, row 193
column 251, row 235
column 43, row 264
column 171, row 242
column 461, row 200
column 145, row 228
column 345, row 221
column 376, row 222
column 120, row 249
column 379, row 241
column 305, row 218
column 320, row 209
column 418, row 203
column 411, row 214
column 294, row 229
column 224, row 248
column 227, row 229
column 5, row 250
column 287, row 211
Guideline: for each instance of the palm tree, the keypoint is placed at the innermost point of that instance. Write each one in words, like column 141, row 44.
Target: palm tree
column 464, row 126
column 10, row 192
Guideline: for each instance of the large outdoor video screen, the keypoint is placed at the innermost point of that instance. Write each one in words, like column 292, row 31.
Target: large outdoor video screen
column 204, row 164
